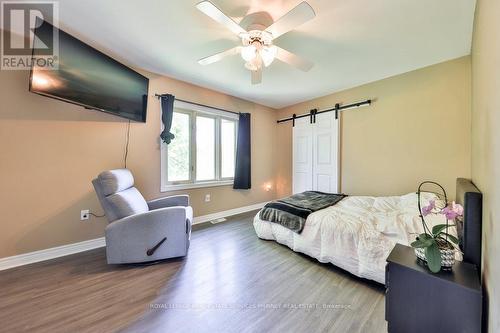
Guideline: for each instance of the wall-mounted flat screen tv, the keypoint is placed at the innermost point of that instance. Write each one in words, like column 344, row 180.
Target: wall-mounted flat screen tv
column 89, row 78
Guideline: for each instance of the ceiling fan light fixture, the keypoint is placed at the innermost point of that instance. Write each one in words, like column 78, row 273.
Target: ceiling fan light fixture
column 254, row 64
column 248, row 53
column 251, row 66
column 268, row 53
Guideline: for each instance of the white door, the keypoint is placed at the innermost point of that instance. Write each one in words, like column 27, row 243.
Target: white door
column 302, row 155
column 326, row 153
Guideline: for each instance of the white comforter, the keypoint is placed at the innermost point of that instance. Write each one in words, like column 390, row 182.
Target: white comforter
column 357, row 234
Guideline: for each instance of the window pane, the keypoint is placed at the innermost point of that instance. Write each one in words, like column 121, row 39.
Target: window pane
column 228, row 147
column 205, row 148
column 178, row 149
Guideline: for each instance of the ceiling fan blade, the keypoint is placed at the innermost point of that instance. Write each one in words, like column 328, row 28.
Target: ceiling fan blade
column 293, row 59
column 257, row 76
column 219, row 56
column 302, row 13
column 217, row 15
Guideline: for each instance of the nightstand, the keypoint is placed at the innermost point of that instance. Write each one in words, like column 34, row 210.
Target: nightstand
column 419, row 301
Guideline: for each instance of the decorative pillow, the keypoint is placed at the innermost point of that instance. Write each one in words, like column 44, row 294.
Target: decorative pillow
column 117, row 180
column 128, row 202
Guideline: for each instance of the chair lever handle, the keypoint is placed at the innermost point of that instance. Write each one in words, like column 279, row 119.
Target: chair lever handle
column 152, row 250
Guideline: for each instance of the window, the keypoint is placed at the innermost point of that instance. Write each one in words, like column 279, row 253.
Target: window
column 228, row 148
column 203, row 152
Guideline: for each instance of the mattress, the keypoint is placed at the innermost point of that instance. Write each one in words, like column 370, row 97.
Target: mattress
column 357, row 234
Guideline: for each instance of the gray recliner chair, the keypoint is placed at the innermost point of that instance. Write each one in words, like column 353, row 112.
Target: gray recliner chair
column 141, row 231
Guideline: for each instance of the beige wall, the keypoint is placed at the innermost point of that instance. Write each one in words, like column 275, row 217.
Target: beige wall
column 418, row 128
column 51, row 150
column 486, row 143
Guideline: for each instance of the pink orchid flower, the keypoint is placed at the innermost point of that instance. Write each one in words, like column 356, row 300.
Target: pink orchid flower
column 429, row 208
column 452, row 211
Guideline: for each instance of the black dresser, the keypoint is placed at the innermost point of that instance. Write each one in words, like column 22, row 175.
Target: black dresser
column 419, row 301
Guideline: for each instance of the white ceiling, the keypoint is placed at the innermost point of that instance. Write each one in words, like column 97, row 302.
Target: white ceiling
column 351, row 42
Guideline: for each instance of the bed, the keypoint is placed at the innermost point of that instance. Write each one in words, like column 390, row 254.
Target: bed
column 358, row 233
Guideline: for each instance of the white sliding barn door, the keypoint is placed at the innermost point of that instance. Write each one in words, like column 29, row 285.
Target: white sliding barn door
column 302, row 155
column 316, row 154
column 326, row 153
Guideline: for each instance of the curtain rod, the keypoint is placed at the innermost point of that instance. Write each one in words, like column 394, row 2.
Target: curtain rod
column 337, row 108
column 199, row 104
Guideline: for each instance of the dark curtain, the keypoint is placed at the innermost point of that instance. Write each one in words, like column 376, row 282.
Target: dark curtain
column 167, row 112
column 243, row 173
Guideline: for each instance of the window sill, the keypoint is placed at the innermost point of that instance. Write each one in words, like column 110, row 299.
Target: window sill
column 169, row 188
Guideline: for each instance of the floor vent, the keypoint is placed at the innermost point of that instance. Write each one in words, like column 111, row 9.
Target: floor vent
column 218, row 220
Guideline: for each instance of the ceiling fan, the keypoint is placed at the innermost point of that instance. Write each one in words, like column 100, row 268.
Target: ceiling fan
column 257, row 47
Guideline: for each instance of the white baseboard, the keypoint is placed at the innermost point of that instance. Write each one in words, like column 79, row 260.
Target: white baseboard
column 64, row 250
column 51, row 253
column 226, row 213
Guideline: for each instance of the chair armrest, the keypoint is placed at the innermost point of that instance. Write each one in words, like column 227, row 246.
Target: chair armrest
column 157, row 216
column 176, row 200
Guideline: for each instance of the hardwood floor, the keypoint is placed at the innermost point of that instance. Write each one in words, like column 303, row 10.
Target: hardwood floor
column 231, row 281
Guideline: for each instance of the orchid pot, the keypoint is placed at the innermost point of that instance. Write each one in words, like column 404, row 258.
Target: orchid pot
column 436, row 247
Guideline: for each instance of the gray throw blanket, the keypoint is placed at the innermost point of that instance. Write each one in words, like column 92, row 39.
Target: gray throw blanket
column 293, row 211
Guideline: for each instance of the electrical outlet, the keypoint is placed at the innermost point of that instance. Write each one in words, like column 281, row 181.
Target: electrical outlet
column 84, row 214
column 207, row 197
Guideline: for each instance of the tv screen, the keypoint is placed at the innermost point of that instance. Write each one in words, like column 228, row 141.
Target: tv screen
column 89, row 78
